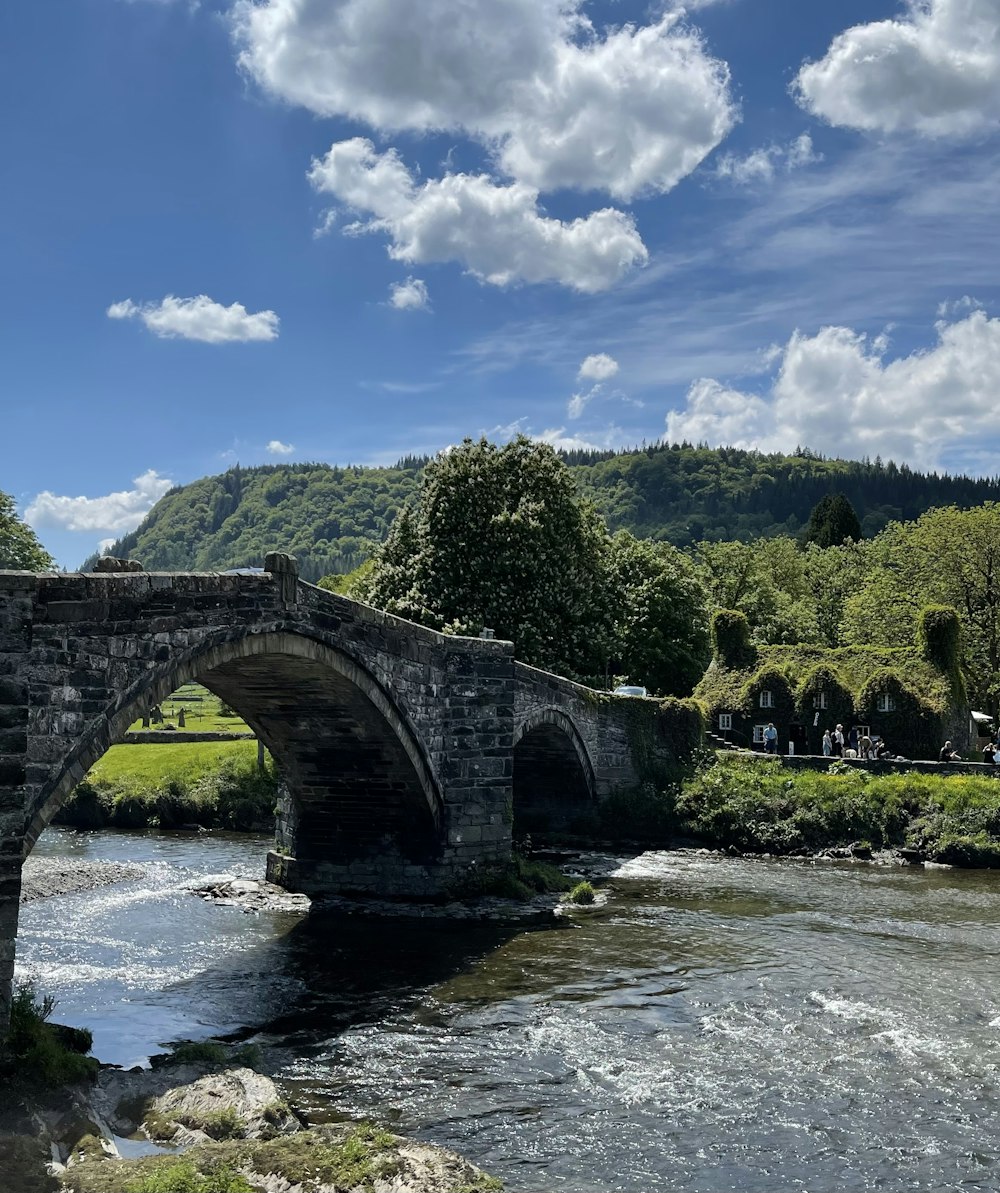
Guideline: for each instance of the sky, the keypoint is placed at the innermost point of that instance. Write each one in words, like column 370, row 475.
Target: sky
column 351, row 230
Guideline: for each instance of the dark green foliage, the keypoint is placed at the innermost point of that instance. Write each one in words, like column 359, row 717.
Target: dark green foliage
column 839, row 701
column 501, row 539
column 910, row 727
column 38, row 1055
column 681, row 724
column 331, row 518
column 757, row 806
column 208, row 1054
column 20, row 550
column 731, row 645
column 644, row 814
column 658, row 614
column 774, row 680
column 939, row 636
column 832, row 522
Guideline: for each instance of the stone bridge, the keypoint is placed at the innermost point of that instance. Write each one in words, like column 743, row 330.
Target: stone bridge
column 406, row 756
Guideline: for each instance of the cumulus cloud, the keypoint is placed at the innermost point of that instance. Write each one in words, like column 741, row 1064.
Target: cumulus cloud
column 277, row 448
column 934, row 71
column 598, row 367
column 762, row 164
column 835, row 392
column 629, row 111
column 199, row 319
column 410, row 295
column 116, row 512
column 496, row 232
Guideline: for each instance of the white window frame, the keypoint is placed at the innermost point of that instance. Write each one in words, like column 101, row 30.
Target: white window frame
column 725, row 720
column 767, row 698
column 885, row 702
column 758, row 734
column 821, row 699
column 863, row 731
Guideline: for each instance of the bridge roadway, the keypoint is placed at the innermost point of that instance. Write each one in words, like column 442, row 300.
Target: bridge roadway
column 406, row 755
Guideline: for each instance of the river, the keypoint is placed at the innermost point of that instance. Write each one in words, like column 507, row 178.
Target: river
column 719, row 1024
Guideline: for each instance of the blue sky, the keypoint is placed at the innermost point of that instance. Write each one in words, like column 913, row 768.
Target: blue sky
column 347, row 230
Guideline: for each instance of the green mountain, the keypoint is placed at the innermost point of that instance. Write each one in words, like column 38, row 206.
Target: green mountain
column 330, row 518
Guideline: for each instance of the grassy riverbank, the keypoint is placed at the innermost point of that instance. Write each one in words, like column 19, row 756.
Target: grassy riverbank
column 212, row 784
column 756, row 806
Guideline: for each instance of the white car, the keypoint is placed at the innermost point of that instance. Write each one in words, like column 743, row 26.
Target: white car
column 627, row 689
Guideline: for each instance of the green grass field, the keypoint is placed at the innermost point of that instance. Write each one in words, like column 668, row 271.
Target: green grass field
column 203, row 713
column 147, row 767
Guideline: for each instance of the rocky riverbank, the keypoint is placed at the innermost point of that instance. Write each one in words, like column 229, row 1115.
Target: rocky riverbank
column 179, row 1127
column 44, row 877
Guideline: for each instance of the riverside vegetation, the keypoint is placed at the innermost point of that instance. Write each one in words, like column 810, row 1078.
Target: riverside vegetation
column 753, row 805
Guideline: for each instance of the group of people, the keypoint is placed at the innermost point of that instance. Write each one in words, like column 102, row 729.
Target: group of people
column 837, row 744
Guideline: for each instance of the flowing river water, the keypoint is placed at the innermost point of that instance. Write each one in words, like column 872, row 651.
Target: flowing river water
column 718, row 1024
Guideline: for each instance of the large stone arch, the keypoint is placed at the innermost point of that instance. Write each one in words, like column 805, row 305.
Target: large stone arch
column 320, row 713
column 553, row 774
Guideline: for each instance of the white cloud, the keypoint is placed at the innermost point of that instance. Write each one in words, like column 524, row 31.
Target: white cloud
column 835, row 393
column 960, row 306
column 277, row 448
column 935, row 71
column 598, row 367
column 631, row 110
column 497, row 232
column 762, row 164
column 199, row 319
column 117, row 512
column 410, row 295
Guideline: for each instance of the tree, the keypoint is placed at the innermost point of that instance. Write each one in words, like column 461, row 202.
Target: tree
column 764, row 580
column 946, row 557
column 659, row 616
column 500, row 538
column 832, row 522
column 20, row 550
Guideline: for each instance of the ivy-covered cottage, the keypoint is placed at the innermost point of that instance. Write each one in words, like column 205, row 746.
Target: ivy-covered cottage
column 914, row 698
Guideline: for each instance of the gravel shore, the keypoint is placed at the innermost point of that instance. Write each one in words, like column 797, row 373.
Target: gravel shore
column 43, row 877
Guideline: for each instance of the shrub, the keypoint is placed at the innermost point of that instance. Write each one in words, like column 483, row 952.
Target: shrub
column 181, row 1176
column 38, row 1054
column 731, row 645
column 645, row 814
column 582, row 893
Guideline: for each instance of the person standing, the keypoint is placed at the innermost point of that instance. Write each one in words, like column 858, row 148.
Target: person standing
column 770, row 739
column 827, row 743
column 838, row 741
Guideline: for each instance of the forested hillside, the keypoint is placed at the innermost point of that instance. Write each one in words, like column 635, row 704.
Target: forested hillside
column 331, row 517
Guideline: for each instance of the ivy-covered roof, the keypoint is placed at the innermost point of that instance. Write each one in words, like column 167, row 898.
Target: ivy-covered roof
column 721, row 687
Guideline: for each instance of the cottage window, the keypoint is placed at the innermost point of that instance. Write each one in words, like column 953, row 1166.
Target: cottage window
column 821, row 700
column 758, row 733
column 886, row 702
column 767, row 699
column 725, row 720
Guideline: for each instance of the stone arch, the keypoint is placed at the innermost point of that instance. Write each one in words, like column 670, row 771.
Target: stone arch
column 554, row 781
column 324, row 709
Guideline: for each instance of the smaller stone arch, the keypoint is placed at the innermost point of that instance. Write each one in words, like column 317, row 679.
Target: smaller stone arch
column 554, row 783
